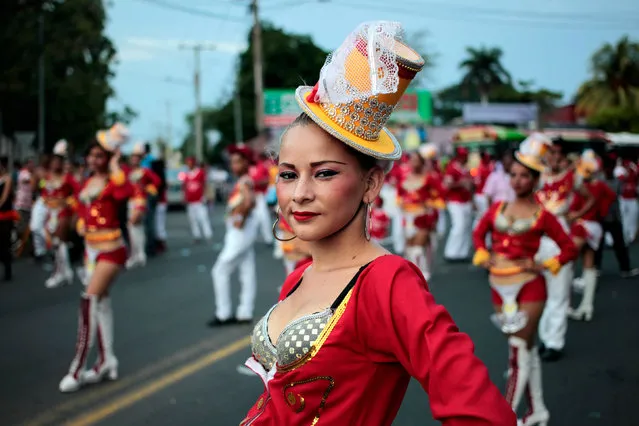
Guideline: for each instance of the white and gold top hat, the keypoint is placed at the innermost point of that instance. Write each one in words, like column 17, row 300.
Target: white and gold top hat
column 588, row 164
column 138, row 149
column 113, row 138
column 428, row 151
column 532, row 151
column 61, row 148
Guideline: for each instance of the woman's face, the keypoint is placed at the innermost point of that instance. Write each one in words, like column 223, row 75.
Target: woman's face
column 320, row 185
column 97, row 160
column 416, row 162
column 522, row 180
column 239, row 165
column 56, row 164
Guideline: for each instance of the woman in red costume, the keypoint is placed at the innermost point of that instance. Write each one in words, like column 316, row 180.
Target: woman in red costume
column 587, row 232
column 105, row 255
column 58, row 195
column 420, row 215
column 517, row 283
column 353, row 327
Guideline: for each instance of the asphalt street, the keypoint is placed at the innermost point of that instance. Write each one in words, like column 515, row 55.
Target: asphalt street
column 174, row 371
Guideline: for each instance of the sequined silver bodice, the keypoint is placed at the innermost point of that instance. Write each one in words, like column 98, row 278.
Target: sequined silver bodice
column 292, row 344
column 518, row 226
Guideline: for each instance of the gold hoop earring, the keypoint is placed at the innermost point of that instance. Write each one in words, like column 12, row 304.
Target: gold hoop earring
column 367, row 221
column 274, row 230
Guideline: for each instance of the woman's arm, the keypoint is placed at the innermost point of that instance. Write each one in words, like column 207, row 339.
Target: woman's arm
column 399, row 321
column 8, row 187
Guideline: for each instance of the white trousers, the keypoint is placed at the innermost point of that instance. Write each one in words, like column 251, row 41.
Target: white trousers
column 36, row 224
column 263, row 217
column 554, row 322
column 442, row 223
column 629, row 216
column 199, row 220
column 238, row 252
column 160, row 221
column 481, row 206
column 459, row 239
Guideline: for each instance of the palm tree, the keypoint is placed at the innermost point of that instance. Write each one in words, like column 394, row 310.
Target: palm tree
column 615, row 78
column 484, row 71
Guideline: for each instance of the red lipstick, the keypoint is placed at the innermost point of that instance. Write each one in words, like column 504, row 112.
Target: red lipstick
column 304, row 216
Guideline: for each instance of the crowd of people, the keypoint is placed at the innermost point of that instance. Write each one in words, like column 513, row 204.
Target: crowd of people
column 338, row 189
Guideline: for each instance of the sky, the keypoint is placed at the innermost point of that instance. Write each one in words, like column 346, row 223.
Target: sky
column 547, row 41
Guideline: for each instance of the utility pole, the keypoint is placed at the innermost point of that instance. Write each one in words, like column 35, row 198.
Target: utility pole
column 258, row 76
column 41, row 82
column 197, row 49
column 237, row 115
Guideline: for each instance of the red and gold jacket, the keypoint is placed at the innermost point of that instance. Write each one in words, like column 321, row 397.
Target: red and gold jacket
column 520, row 240
column 558, row 191
column 379, row 224
column 387, row 329
column 629, row 181
column 457, row 173
column 416, row 194
column 604, row 196
column 58, row 192
column 145, row 183
column 97, row 208
column 480, row 175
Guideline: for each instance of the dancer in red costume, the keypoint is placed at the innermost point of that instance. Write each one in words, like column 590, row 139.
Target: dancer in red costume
column 517, row 284
column 105, row 255
column 587, row 232
column 354, row 326
column 415, row 194
column 379, row 222
column 58, row 192
column 145, row 183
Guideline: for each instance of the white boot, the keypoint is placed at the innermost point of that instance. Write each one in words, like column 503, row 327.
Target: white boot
column 107, row 363
column 417, row 255
column 538, row 414
column 518, row 372
column 586, row 307
column 62, row 273
column 138, row 246
column 87, row 326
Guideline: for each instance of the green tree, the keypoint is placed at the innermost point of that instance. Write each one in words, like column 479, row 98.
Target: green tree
column 483, row 71
column 290, row 60
column 78, row 59
column 614, row 85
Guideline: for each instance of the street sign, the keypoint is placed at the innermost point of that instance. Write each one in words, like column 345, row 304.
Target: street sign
column 280, row 107
column 500, row 113
column 414, row 107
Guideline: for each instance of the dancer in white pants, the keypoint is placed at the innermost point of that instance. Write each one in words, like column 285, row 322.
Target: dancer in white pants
column 36, row 224
column 260, row 175
column 458, row 182
column 560, row 184
column 194, row 185
column 628, row 175
column 238, row 251
column 160, row 221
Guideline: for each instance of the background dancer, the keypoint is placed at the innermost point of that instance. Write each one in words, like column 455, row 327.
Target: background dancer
column 8, row 217
column 458, row 184
column 628, row 174
column 238, row 251
column 517, row 284
column 587, row 232
column 559, row 185
column 105, row 255
column 261, row 177
column 194, row 185
column 39, row 211
column 58, row 192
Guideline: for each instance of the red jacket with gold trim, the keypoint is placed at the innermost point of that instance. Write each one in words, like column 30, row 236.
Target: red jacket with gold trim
column 386, row 330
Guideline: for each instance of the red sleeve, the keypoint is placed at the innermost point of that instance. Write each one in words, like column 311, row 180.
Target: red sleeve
column 201, row 176
column 484, row 226
column 555, row 231
column 399, row 321
column 153, row 178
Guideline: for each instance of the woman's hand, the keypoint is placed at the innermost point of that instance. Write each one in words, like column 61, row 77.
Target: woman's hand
column 571, row 217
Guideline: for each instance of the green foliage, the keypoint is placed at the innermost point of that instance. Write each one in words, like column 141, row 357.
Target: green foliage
column 483, row 71
column 78, row 60
column 615, row 119
column 290, row 60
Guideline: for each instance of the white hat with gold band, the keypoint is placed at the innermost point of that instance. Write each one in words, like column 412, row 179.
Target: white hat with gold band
column 532, row 151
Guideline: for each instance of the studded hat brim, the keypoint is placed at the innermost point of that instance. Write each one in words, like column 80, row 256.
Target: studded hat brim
column 530, row 162
column 386, row 147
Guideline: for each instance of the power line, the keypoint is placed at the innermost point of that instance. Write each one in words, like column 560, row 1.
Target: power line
column 194, row 11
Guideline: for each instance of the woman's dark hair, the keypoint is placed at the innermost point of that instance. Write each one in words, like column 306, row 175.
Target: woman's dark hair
column 95, row 144
column 366, row 162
